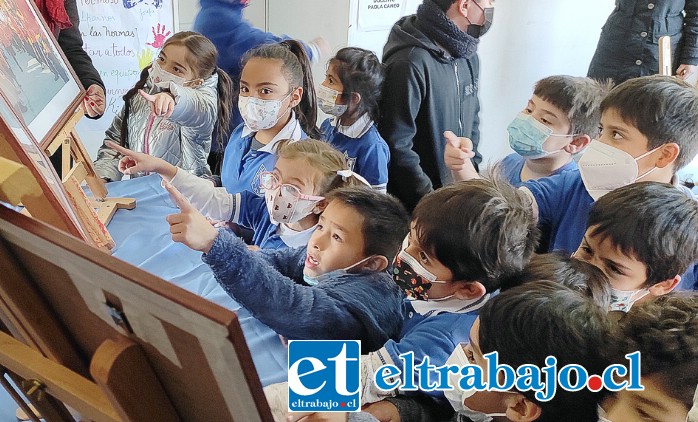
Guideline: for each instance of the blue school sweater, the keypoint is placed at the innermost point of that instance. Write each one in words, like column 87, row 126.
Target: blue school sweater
column 433, row 334
column 364, row 306
column 512, row 165
column 367, row 154
column 563, row 208
column 242, row 167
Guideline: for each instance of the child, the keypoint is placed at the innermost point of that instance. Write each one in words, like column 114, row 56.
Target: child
column 643, row 237
column 559, row 121
column 350, row 92
column 649, row 130
column 525, row 325
column 574, row 274
column 287, row 214
column 187, row 96
column 276, row 101
column 337, row 288
column 464, row 239
column 664, row 332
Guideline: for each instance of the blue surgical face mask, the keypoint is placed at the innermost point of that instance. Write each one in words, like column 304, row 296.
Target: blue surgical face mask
column 527, row 136
column 312, row 281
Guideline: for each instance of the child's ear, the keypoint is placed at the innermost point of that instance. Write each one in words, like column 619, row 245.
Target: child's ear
column 355, row 98
column 669, row 152
column 578, row 143
column 664, row 287
column 376, row 263
column 521, row 409
column 469, row 290
column 320, row 207
column 296, row 96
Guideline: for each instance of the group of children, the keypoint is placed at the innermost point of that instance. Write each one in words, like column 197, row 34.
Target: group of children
column 333, row 257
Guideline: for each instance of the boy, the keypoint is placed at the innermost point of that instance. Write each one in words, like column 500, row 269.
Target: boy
column 525, row 325
column 464, row 239
column 643, row 237
column 559, row 121
column 649, row 130
column 664, row 332
column 351, row 296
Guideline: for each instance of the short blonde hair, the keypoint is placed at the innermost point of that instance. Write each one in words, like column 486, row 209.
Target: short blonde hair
column 321, row 156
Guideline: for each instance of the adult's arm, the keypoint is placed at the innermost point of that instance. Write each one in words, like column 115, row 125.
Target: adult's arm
column 222, row 22
column 689, row 50
column 70, row 41
column 403, row 94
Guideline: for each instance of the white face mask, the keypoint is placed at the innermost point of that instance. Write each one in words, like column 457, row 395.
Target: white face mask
column 623, row 300
column 327, row 101
column 457, row 396
column 161, row 78
column 312, row 281
column 285, row 203
column 261, row 114
column 604, row 168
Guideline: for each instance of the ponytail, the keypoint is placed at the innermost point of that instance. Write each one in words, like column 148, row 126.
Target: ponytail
column 225, row 95
column 127, row 105
column 307, row 109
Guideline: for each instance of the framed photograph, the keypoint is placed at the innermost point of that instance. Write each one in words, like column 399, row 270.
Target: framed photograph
column 35, row 78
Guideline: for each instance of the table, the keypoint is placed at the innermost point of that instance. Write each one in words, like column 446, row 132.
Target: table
column 143, row 239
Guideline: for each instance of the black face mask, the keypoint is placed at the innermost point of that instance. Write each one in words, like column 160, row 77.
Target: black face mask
column 477, row 31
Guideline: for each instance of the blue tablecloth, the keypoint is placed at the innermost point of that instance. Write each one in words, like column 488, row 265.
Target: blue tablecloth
column 143, row 239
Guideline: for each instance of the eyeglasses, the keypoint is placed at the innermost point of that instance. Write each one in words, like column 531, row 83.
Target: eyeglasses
column 270, row 181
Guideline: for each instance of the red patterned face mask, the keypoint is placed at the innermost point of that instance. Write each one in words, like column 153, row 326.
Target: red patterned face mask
column 412, row 278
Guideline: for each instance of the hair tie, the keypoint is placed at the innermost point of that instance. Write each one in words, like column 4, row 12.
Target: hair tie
column 345, row 174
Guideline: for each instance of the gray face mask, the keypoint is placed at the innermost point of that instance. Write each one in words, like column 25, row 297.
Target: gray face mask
column 312, row 281
column 475, row 30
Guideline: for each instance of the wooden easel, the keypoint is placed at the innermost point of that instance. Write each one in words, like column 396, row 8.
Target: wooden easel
column 113, row 342
column 82, row 170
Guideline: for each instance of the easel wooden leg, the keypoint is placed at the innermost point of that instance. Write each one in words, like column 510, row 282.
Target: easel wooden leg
column 113, row 367
column 107, row 207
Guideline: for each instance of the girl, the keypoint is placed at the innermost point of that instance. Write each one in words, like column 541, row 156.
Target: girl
column 350, row 92
column 172, row 110
column 276, row 101
column 288, row 211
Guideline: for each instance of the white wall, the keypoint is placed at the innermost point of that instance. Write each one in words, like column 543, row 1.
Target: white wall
column 528, row 41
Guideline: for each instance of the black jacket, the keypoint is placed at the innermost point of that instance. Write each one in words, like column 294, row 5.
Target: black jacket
column 629, row 43
column 70, row 41
column 426, row 92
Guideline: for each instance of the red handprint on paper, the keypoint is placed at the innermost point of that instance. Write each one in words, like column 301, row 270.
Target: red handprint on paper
column 160, row 37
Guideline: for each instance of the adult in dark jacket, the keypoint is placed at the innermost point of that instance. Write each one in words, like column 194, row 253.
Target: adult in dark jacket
column 629, row 43
column 431, row 86
column 64, row 21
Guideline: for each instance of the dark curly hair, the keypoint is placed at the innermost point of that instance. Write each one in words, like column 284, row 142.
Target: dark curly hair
column 665, row 332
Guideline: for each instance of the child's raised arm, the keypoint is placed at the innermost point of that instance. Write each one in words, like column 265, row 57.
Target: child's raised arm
column 457, row 155
column 195, row 108
column 136, row 162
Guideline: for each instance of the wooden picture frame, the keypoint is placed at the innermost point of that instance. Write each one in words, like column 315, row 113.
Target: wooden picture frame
column 39, row 85
column 154, row 351
column 17, row 145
